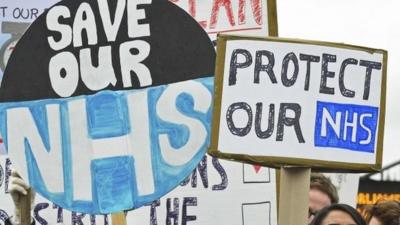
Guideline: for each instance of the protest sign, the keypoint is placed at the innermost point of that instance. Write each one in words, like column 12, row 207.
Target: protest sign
column 216, row 183
column 247, row 17
column 113, row 146
column 293, row 102
column 372, row 191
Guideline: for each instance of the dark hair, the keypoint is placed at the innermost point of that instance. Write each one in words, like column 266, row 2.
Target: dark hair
column 387, row 212
column 322, row 183
column 342, row 207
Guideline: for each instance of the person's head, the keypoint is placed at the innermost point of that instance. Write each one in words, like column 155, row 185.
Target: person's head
column 322, row 193
column 338, row 214
column 384, row 213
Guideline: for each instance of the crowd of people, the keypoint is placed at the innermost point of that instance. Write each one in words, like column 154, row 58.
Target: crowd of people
column 324, row 207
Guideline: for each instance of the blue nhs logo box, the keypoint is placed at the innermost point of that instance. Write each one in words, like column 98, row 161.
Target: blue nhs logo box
column 346, row 126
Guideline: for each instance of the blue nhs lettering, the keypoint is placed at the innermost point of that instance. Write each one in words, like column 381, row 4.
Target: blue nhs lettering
column 346, row 126
column 112, row 150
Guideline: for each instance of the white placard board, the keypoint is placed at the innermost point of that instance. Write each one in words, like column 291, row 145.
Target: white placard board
column 218, row 188
column 299, row 102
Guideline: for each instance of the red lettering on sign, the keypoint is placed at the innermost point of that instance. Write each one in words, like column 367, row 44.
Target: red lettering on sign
column 256, row 8
column 232, row 9
column 215, row 10
column 192, row 8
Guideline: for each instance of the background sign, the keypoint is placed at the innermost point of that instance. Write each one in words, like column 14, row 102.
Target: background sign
column 15, row 17
column 78, row 105
column 248, row 17
column 372, row 191
column 216, row 183
column 311, row 103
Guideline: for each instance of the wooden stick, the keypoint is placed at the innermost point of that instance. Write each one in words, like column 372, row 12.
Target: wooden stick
column 25, row 208
column 118, row 218
column 293, row 196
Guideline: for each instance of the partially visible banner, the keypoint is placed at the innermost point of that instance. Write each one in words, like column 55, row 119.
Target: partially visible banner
column 217, row 192
column 15, row 17
column 371, row 191
column 255, row 17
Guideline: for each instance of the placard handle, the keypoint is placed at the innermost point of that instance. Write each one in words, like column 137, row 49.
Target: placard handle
column 25, row 207
column 293, row 195
column 118, row 218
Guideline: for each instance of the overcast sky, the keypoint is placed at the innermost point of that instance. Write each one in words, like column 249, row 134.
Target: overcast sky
column 370, row 23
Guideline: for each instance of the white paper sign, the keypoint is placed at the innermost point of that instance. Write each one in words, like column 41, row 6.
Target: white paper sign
column 301, row 101
column 218, row 192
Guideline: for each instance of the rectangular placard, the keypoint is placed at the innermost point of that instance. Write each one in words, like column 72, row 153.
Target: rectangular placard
column 295, row 102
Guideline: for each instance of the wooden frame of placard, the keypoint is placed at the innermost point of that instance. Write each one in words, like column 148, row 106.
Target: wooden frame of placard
column 272, row 18
column 277, row 162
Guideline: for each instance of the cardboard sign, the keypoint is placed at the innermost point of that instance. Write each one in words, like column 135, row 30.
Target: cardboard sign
column 247, row 17
column 372, row 191
column 219, row 183
column 112, row 146
column 292, row 102
column 217, row 188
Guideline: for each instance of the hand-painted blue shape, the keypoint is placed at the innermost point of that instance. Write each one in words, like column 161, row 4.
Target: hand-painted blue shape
column 346, row 126
column 113, row 183
column 107, row 115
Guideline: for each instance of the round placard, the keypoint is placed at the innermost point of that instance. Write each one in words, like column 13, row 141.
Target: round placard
column 106, row 104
